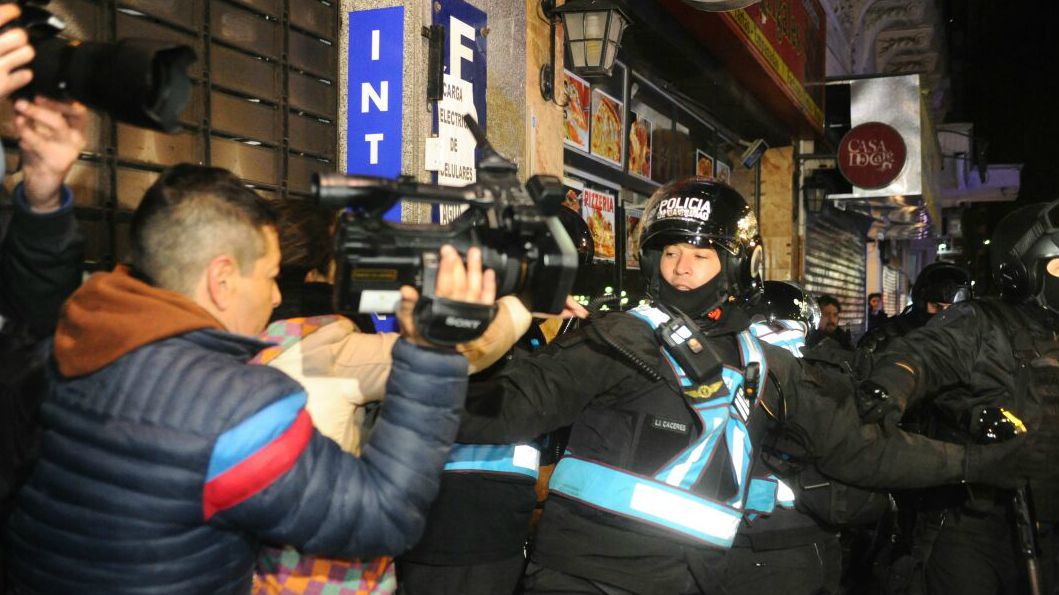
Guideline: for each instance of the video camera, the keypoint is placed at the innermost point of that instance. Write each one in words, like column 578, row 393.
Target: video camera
column 142, row 82
column 516, row 228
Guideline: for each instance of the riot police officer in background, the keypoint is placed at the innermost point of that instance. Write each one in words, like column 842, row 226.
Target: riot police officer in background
column 891, row 558
column 669, row 403
column 987, row 354
column 938, row 286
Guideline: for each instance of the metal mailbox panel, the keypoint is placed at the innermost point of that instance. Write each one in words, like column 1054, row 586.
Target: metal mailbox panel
column 244, row 118
column 256, row 164
column 148, row 146
column 247, row 30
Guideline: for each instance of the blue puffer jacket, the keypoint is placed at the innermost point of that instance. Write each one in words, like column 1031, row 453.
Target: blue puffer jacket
column 162, row 471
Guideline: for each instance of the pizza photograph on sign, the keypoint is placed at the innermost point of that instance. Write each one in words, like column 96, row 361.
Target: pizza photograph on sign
column 724, row 173
column 632, row 237
column 575, row 114
column 640, row 146
column 597, row 209
column 872, row 155
column 703, row 164
column 607, row 124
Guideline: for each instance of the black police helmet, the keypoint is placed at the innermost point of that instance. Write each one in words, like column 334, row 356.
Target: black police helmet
column 579, row 234
column 941, row 283
column 704, row 213
column 1022, row 245
column 787, row 300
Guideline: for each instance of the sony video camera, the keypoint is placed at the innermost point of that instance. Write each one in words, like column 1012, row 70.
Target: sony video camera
column 142, row 82
column 515, row 227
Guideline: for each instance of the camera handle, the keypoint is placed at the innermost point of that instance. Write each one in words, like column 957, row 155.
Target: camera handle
column 444, row 321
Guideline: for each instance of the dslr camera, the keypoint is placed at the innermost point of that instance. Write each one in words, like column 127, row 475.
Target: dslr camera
column 515, row 226
column 142, row 82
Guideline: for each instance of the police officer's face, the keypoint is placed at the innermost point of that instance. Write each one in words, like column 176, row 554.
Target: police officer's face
column 688, row 267
column 936, row 307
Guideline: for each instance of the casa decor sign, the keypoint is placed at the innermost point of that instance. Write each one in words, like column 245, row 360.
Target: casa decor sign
column 720, row 5
column 872, row 155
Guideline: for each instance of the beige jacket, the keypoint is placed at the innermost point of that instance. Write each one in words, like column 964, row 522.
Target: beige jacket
column 343, row 369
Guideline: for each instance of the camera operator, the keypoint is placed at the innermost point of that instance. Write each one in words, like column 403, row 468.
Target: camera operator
column 166, row 460
column 344, row 373
column 40, row 257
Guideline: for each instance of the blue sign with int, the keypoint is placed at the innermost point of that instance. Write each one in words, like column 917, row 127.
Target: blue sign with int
column 374, row 90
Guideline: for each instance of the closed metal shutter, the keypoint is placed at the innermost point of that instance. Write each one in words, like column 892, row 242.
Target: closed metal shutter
column 893, row 299
column 264, row 104
column 836, row 264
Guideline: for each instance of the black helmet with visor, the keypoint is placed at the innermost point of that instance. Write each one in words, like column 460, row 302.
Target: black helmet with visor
column 1024, row 243
column 707, row 214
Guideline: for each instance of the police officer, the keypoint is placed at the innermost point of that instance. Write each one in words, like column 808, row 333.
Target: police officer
column 796, row 549
column 987, row 354
column 668, row 403
column 938, row 286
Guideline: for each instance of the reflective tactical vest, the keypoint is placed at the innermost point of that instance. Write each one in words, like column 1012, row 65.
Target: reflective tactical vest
column 701, row 492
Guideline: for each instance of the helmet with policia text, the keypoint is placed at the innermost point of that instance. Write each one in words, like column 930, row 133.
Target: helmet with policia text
column 941, row 283
column 704, row 213
column 1025, row 241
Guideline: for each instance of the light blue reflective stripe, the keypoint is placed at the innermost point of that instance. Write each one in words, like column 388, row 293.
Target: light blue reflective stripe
column 521, row 459
column 791, row 335
column 784, row 493
column 686, row 468
column 761, row 495
column 740, row 450
column 655, row 318
column 646, row 500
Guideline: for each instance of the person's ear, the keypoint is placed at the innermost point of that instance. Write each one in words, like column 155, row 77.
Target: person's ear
column 221, row 280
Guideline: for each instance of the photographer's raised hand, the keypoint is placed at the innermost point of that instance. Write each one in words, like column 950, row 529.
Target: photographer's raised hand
column 15, row 53
column 455, row 282
column 51, row 137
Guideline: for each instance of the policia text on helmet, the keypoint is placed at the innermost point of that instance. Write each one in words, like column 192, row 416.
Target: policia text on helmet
column 700, row 247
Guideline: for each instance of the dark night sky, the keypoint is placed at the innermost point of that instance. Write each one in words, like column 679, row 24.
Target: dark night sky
column 1005, row 68
column 1004, row 64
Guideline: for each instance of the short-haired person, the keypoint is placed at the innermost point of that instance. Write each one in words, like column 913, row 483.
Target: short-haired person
column 829, row 328
column 166, row 459
column 669, row 404
column 876, row 314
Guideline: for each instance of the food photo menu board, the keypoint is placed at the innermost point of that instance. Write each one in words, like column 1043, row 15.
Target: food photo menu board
column 640, row 146
column 632, row 237
column 608, row 115
column 703, row 164
column 597, row 209
column 575, row 114
column 724, row 173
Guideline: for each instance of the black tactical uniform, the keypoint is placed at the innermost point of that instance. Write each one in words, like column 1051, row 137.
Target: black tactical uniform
column 892, row 559
column 661, row 469
column 987, row 354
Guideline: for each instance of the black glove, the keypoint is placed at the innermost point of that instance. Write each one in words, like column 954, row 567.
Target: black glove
column 875, row 404
column 1012, row 463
